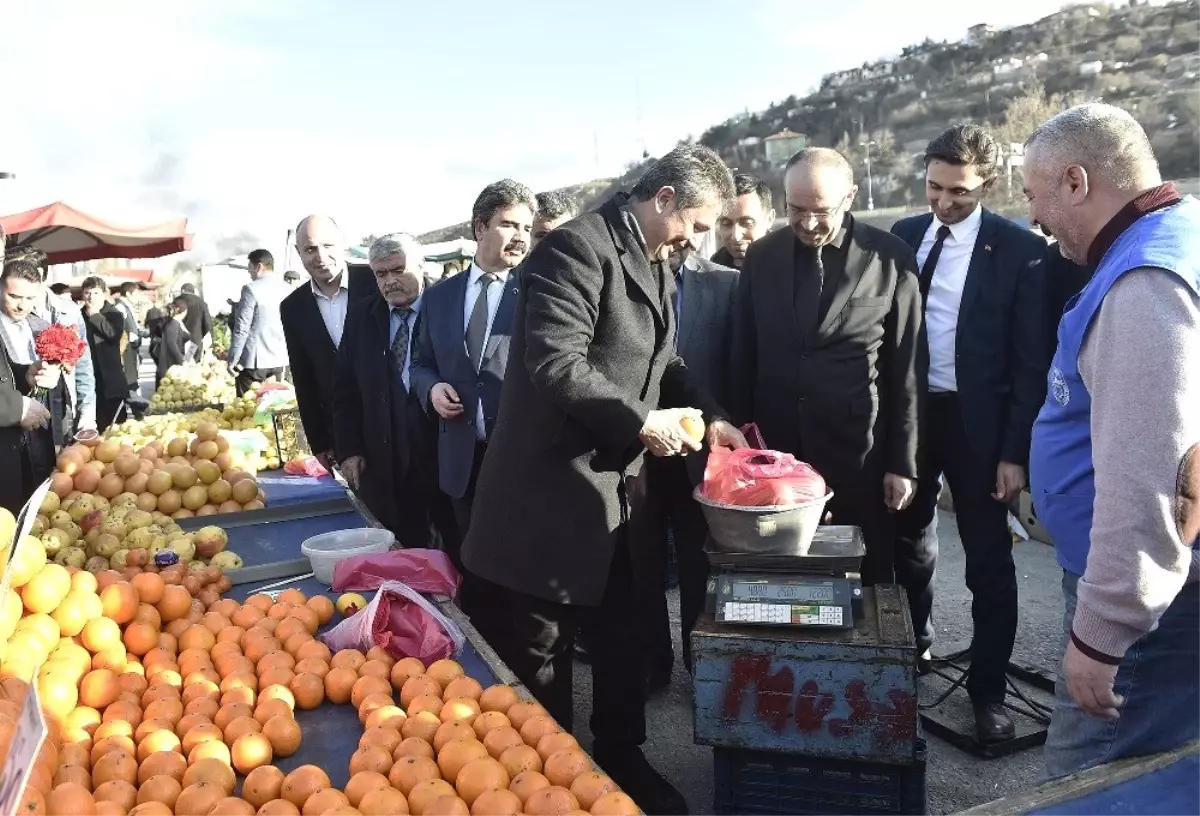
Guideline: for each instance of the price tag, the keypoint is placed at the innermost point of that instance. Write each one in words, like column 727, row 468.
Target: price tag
column 25, row 520
column 26, row 742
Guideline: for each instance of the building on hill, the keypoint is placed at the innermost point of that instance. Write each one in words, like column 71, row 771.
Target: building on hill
column 979, row 32
column 783, row 145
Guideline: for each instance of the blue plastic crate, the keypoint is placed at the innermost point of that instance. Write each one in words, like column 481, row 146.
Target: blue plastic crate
column 762, row 782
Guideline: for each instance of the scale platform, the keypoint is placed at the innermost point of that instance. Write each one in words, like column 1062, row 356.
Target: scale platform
column 821, row 588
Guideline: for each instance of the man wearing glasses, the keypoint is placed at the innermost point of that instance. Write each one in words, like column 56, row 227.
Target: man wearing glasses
column 826, row 350
column 983, row 282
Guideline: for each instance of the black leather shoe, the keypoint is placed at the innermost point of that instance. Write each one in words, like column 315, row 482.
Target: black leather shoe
column 628, row 767
column 992, row 724
column 924, row 663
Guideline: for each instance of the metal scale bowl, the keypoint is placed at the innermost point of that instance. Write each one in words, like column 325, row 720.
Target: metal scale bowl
column 776, row 566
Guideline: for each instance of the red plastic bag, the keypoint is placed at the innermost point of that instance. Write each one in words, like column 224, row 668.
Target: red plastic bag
column 402, row 622
column 760, row 478
column 305, row 466
column 428, row 571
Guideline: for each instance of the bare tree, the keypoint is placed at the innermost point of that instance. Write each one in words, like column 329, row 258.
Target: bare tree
column 1024, row 114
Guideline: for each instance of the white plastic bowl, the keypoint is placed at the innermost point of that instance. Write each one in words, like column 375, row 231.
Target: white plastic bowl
column 325, row 550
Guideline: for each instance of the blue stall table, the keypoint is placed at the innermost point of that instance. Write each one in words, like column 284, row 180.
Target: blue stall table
column 282, row 489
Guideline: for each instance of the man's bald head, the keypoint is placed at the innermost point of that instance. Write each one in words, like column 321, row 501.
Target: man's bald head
column 1081, row 167
column 818, row 190
column 321, row 248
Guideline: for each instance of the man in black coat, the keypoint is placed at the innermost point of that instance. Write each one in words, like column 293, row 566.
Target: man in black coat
column 375, row 420
column 599, row 382
column 314, row 317
column 749, row 217
column 827, row 350
column 461, row 352
column 106, row 337
column 984, row 286
column 199, row 320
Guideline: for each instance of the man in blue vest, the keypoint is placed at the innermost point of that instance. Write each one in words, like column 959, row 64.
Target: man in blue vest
column 1115, row 465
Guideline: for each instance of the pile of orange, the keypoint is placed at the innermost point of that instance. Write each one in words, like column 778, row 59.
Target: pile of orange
column 161, row 704
column 181, row 479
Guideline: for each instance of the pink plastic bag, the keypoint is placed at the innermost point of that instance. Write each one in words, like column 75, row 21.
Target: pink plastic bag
column 403, row 623
column 305, row 466
column 428, row 571
column 760, row 478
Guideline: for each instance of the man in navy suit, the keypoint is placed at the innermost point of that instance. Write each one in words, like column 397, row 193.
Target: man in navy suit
column 462, row 342
column 983, row 282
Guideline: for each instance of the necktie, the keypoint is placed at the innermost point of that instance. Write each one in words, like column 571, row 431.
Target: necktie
column 477, row 325
column 931, row 261
column 807, row 292
column 399, row 349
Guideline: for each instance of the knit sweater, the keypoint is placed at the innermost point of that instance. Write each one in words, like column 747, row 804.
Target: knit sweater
column 1139, row 364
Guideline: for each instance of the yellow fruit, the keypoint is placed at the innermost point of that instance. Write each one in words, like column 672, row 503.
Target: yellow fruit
column 27, row 561
column 693, row 427
column 349, row 603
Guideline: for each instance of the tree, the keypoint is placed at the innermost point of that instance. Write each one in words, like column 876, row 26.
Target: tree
column 1024, row 114
column 368, row 240
column 182, row 267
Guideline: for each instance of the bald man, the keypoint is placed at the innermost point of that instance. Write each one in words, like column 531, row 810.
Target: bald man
column 826, row 350
column 313, row 316
column 1115, row 465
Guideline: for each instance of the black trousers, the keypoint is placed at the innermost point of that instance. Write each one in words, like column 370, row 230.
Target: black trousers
column 987, row 543
column 248, row 377
column 666, row 504
column 477, row 598
column 107, row 409
column 462, row 506
column 535, row 637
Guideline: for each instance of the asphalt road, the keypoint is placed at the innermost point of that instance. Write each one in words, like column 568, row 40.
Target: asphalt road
column 955, row 780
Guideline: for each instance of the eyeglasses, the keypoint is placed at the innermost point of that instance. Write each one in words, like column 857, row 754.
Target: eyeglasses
column 820, row 216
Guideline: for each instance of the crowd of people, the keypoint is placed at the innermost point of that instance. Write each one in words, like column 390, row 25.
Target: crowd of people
column 891, row 361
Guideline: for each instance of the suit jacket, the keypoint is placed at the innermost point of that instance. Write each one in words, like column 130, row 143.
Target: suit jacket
column 705, row 334
column 1000, row 342
column 172, row 347
column 311, row 354
column 843, row 394
column 723, row 257
column 105, row 330
column 373, row 415
column 198, row 321
column 440, row 355
column 12, row 389
column 129, row 357
column 594, row 337
column 257, row 339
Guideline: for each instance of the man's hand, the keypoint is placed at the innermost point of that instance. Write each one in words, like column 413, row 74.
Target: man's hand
column 43, row 375
column 663, row 433
column 1090, row 684
column 725, row 435
column 234, row 369
column 33, row 414
column 445, row 401
column 326, row 459
column 1010, row 481
column 352, row 468
column 898, row 491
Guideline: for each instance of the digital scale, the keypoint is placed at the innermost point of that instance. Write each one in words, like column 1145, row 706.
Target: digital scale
column 821, row 589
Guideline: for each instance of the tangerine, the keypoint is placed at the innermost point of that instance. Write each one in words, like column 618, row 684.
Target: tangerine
column 384, row 802
column 250, row 751
column 456, row 754
column 551, row 801
column 302, row 783
column 339, row 682
column 479, row 776
column 70, row 798
column 322, row 801
column 212, row 771
column 198, row 799
column 589, row 786
column 424, row 793
column 284, row 734
column 519, row 759
column 309, row 690
column 404, row 670
column 413, row 746
column 162, row 763
column 615, row 804
column 362, row 783
column 120, row 601
column 262, row 785
column 497, row 803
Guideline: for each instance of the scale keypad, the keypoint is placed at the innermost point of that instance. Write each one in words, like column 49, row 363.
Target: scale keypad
column 757, row 612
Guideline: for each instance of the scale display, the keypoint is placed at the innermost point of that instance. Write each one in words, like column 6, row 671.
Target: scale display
column 773, row 599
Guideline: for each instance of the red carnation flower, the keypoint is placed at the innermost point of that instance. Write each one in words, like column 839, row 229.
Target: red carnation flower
column 60, row 345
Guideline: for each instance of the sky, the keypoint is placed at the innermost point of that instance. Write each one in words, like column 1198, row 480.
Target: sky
column 246, row 115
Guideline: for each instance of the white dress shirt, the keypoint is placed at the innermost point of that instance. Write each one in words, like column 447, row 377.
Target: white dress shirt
column 495, row 293
column 333, row 310
column 18, row 339
column 394, row 326
column 945, row 294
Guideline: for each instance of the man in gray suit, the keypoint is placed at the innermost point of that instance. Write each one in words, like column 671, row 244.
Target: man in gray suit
column 258, row 349
column 705, row 293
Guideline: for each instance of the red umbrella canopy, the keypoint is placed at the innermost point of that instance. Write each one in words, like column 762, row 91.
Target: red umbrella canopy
column 67, row 235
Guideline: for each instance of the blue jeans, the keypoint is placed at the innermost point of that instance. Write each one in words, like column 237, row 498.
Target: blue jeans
column 1157, row 678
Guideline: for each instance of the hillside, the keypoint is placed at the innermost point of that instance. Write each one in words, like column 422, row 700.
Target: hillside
column 1143, row 58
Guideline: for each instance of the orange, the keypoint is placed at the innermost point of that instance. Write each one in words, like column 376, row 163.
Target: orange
column 590, row 786
column 292, row 596
column 615, row 804
column 283, row 693
column 563, row 767
column 279, row 610
column 233, row 805
column 163, row 763
column 164, row 709
column 497, row 741
column 58, row 695
column 99, row 688
column 462, row 687
column 176, row 603
column 313, row 649
column 73, row 612
column 496, row 803
column 422, row 726
column 199, row 734
column 72, row 774
column 213, row 749
column 140, row 637
column 250, row 751
column 519, row 712
column 551, row 744
column 444, row 671
column 275, row 676
column 117, row 792
column 551, row 801
column 266, row 709
column 537, row 727
column 389, row 715
column 246, row 616
column 419, row 686
column 489, row 721
column 349, row 658
column 296, row 642
column 362, row 783
column 47, row 589
column 384, row 802
column 240, row 727
column 413, row 746
column 149, row 586
column 151, row 809
column 323, row 801
column 148, row 727
column 520, row 758
column 198, row 799
column 302, row 783
column 74, row 755
column 457, row 754
column 279, row 807
column 198, row 637
column 288, row 627
column 371, row 758
column 70, row 798
column 451, row 731
column 308, row 617
column 479, row 776
column 424, row 793
column 160, row 788
column 366, row 686
column 405, row 669
column 309, row 690
column 212, row 771
column 113, row 659
column 338, row 684
column 375, row 667
column 283, row 733
column 323, row 607
column 381, row 736
column 372, row 703
column 464, row 709
column 189, row 721
column 262, row 785
column 120, row 601
column 115, row 766
column 135, row 683
column 200, row 700
column 408, row 771
column 156, row 742
column 100, row 634
column 448, row 805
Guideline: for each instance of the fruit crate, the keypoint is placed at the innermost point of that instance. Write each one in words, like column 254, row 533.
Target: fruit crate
column 185, row 409
column 763, row 782
column 289, row 434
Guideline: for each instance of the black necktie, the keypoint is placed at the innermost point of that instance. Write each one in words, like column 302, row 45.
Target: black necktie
column 399, row 347
column 806, row 298
column 931, row 261
column 477, row 325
